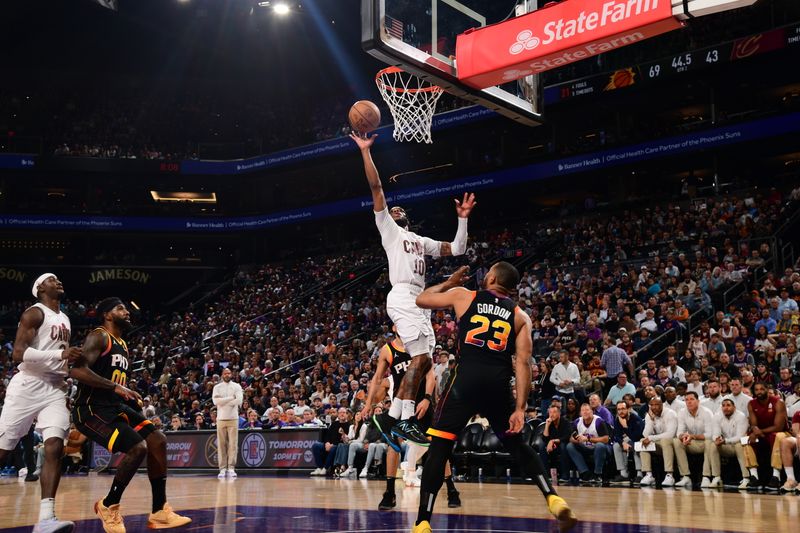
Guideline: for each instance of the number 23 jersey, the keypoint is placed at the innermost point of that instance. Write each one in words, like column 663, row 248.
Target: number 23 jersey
column 113, row 365
column 486, row 333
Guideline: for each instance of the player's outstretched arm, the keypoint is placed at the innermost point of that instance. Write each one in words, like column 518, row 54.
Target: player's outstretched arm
column 459, row 244
column 373, row 178
column 95, row 343
column 448, row 294
column 375, row 382
column 29, row 323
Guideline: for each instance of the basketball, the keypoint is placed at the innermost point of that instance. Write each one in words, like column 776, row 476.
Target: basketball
column 364, row 116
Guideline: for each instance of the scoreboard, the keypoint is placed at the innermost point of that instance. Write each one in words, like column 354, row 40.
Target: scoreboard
column 653, row 71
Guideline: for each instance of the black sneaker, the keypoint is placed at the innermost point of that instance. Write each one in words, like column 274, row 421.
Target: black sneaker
column 619, row 480
column 774, row 485
column 453, row 499
column 754, row 484
column 384, row 423
column 637, row 481
column 31, row 477
column 388, row 502
column 586, row 478
column 410, row 430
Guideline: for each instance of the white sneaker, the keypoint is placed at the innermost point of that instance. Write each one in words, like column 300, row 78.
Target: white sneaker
column 22, row 472
column 745, row 484
column 716, row 483
column 54, row 525
column 232, row 473
column 363, row 473
column 350, row 472
column 413, row 481
column 403, row 466
column 318, row 472
column 669, row 481
column 705, row 484
column 222, row 474
column 647, row 480
column 685, row 481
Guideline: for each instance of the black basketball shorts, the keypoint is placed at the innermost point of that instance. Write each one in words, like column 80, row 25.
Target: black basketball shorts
column 473, row 389
column 117, row 428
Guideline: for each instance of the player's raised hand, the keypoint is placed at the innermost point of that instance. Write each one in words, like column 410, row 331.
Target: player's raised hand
column 72, row 354
column 465, row 206
column 364, row 142
column 459, row 277
column 516, row 421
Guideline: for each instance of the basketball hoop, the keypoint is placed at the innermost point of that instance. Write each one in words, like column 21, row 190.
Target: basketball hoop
column 412, row 102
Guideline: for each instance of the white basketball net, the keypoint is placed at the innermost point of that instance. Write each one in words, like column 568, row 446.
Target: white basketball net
column 412, row 102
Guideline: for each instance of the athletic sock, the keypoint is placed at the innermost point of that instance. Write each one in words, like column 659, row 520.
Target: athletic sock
column 451, row 487
column 47, row 509
column 789, row 473
column 776, row 473
column 754, row 472
column 390, row 485
column 115, row 494
column 159, row 488
column 408, row 409
column 396, row 409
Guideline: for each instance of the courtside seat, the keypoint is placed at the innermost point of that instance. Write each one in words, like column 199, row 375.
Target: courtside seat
column 467, row 445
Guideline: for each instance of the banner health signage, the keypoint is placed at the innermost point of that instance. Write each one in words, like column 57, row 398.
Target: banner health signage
column 284, row 448
column 671, row 146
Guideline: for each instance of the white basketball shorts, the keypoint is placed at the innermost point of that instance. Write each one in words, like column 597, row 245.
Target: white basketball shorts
column 30, row 398
column 413, row 324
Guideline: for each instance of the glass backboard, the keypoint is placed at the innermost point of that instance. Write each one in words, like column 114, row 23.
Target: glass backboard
column 420, row 37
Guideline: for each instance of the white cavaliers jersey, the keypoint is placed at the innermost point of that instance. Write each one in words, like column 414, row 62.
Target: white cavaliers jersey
column 53, row 334
column 405, row 250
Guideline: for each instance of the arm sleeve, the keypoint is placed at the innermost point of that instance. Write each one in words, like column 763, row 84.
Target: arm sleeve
column 32, row 355
column 459, row 244
column 387, row 227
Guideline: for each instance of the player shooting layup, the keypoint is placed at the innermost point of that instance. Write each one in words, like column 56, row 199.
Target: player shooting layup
column 406, row 253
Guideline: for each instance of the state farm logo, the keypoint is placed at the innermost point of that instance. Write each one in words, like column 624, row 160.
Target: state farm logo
column 526, row 40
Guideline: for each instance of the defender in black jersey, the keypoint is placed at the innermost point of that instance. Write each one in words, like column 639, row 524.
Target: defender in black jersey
column 102, row 413
column 494, row 344
column 394, row 359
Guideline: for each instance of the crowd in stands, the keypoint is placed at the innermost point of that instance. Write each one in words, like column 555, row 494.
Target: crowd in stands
column 630, row 335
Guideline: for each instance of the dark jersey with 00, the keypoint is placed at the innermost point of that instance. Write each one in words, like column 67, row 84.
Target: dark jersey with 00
column 397, row 368
column 486, row 333
column 113, row 365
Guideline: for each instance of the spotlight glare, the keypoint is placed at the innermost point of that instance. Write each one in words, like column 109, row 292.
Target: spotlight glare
column 281, row 9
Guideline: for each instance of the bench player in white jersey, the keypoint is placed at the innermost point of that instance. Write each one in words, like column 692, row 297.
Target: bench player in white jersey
column 406, row 253
column 38, row 391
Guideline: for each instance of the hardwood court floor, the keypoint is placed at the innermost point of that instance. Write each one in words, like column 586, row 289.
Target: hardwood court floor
column 257, row 504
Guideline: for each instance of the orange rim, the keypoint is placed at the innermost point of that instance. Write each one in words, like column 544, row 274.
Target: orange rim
column 395, row 70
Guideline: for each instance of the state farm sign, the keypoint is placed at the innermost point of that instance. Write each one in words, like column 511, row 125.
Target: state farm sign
column 556, row 36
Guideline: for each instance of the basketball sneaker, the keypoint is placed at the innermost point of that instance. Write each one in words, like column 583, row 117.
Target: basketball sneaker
column 53, row 525
column 453, row 499
column 422, row 527
column 561, row 511
column 410, row 430
column 388, row 502
column 166, row 518
column 110, row 517
column 384, row 423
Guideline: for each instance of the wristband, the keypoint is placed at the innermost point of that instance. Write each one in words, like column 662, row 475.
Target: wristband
column 32, row 355
column 428, row 397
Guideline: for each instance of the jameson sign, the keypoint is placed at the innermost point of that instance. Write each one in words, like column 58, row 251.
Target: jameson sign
column 119, row 274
